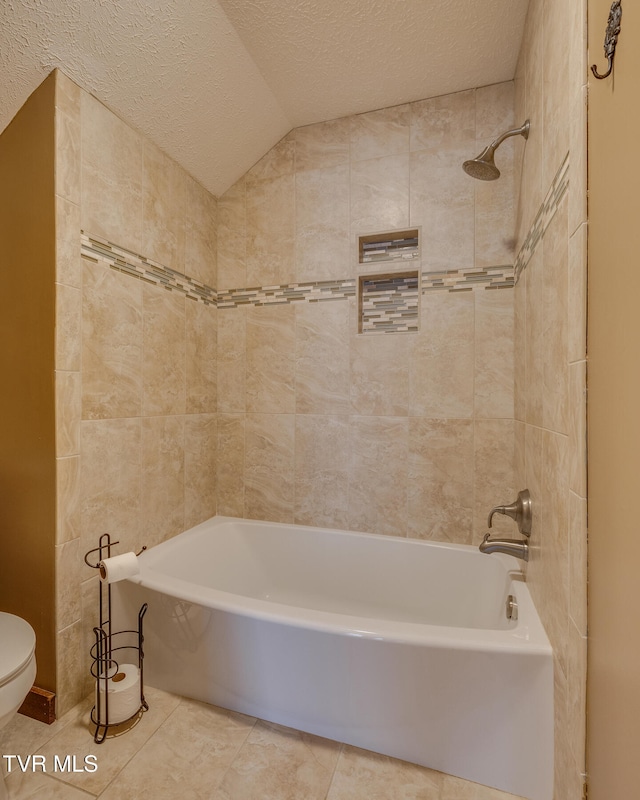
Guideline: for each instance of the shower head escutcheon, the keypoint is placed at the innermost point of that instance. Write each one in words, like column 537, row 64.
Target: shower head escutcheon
column 483, row 166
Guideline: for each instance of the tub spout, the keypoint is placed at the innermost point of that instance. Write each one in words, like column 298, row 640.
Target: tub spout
column 512, row 547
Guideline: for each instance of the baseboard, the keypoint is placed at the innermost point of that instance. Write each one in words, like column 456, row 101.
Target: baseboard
column 39, row 704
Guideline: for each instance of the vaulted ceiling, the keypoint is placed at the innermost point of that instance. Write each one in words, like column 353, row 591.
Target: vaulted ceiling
column 216, row 83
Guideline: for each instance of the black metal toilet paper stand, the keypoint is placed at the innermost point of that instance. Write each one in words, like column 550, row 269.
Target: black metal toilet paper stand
column 108, row 645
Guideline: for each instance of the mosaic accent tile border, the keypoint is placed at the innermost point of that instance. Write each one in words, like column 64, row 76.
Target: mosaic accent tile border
column 389, row 303
column 311, row 292
column 466, row 280
column 505, row 276
column 118, row 258
column 545, row 214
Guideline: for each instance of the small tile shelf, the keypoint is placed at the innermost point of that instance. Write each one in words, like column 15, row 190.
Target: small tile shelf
column 389, row 246
column 389, row 303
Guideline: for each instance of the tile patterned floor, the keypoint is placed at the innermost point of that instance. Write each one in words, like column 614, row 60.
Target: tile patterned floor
column 186, row 750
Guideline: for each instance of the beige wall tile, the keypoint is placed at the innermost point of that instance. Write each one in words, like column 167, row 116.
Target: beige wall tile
column 442, row 202
column 556, row 77
column 230, row 468
column 578, row 428
column 378, row 469
column 532, row 190
column 68, row 413
column 232, row 359
column 69, row 691
column 443, row 120
column 494, row 472
column 162, row 492
column 69, row 574
column 111, row 176
column 495, row 110
column 201, row 350
column 232, row 238
column 322, row 241
column 111, row 458
column 323, row 145
column 271, row 359
column 555, row 300
column 322, row 358
column 535, row 340
column 578, row 562
column 164, row 205
column 440, row 482
column 520, row 387
column 380, row 367
column 68, row 162
column 269, row 467
column 111, row 344
column 279, row 160
column 494, row 360
column 270, row 231
column 495, row 211
column 578, row 150
column 68, row 94
column 68, row 327
column 200, row 468
column 163, row 352
column 442, row 362
column 68, row 499
column 200, row 256
column 577, row 312
column 380, row 133
column 379, row 194
column 548, row 573
column 321, row 471
column 68, row 259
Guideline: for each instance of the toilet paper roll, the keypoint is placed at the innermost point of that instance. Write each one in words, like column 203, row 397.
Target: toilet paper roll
column 119, row 567
column 123, row 689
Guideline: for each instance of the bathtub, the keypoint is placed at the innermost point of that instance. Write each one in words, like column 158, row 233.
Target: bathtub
column 398, row 646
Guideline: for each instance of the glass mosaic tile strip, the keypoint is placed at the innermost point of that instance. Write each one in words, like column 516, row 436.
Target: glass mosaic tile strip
column 389, row 303
column 543, row 218
column 122, row 260
column 471, row 278
column 289, row 293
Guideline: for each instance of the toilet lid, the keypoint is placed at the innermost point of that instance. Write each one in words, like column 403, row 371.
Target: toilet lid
column 17, row 643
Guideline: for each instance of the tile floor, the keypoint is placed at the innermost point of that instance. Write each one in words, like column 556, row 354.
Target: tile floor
column 188, row 750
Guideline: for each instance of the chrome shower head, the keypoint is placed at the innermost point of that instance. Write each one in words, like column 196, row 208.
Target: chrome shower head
column 483, row 166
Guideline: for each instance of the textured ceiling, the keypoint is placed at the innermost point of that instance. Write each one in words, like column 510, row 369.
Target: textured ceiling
column 215, row 83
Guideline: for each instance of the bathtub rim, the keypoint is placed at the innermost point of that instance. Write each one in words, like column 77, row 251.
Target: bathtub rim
column 527, row 634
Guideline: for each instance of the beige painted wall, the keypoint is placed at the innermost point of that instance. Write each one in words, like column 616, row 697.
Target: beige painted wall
column 614, row 422
column 27, row 427
column 550, row 353
column 402, row 434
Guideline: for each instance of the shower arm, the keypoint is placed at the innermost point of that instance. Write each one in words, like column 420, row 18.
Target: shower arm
column 523, row 130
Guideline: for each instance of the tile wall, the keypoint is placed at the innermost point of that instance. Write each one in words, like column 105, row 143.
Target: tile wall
column 550, row 348
column 135, row 356
column 408, row 434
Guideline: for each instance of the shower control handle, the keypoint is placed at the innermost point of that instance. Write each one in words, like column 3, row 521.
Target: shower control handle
column 519, row 510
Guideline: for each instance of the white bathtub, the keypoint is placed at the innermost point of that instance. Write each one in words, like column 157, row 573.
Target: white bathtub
column 398, row 646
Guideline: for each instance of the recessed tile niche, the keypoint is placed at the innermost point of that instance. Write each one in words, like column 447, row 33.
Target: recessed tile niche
column 388, row 302
column 389, row 246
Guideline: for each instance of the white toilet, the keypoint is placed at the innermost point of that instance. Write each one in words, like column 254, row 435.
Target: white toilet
column 17, row 668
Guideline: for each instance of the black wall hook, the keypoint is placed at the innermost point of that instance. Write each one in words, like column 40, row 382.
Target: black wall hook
column 610, row 38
